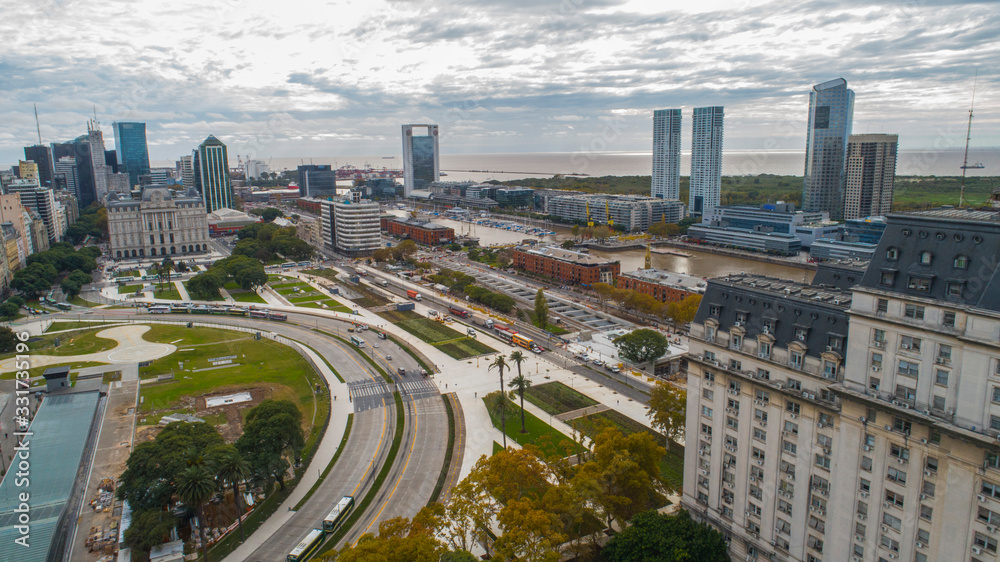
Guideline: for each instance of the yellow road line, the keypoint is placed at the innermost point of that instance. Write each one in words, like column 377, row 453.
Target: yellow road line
column 413, row 442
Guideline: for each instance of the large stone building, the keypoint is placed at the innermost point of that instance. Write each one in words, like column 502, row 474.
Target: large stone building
column 568, row 266
column 808, row 442
column 157, row 224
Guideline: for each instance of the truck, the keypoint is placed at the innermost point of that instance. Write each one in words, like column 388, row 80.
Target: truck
column 413, row 294
column 460, row 312
column 360, row 271
column 383, row 282
column 471, row 332
column 401, row 306
column 485, row 322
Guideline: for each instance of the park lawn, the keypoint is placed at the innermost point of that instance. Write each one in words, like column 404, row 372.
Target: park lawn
column 80, row 301
column 548, row 440
column 592, row 424
column 37, row 371
column 672, row 466
column 247, row 296
column 129, row 289
column 426, row 329
column 129, row 273
column 497, row 447
column 272, row 277
column 556, row 398
column 465, row 348
column 330, row 305
column 154, row 419
column 168, row 292
column 187, row 287
column 308, row 297
column 184, row 337
column 79, row 342
column 258, row 363
column 60, row 326
column 550, row 327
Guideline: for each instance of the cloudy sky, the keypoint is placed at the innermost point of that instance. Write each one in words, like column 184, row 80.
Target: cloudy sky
column 300, row 78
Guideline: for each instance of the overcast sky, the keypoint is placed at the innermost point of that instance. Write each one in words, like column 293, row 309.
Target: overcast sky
column 339, row 78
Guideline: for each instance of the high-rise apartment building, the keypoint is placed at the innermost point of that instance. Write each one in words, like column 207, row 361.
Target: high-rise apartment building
column 131, row 149
column 871, row 173
column 706, row 161
column 41, row 155
column 43, row 202
column 211, row 175
column 666, row 154
column 810, row 441
column 28, row 170
column 831, row 114
column 421, row 158
column 351, row 225
column 66, row 175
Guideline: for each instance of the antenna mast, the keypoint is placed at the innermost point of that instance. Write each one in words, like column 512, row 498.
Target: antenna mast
column 37, row 126
column 968, row 137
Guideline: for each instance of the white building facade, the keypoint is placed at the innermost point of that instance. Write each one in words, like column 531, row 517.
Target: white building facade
column 157, row 225
column 666, row 154
column 706, row 161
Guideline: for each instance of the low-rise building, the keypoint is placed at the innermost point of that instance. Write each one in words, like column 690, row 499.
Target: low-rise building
column 420, row 231
column 841, row 250
column 569, row 266
column 663, row 285
column 776, row 243
column 632, row 213
column 159, row 223
column 226, row 222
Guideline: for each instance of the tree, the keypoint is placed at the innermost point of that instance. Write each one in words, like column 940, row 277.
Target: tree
column 520, row 382
column 149, row 527
column 382, row 254
column 270, row 213
column 231, row 469
column 273, row 431
column 500, row 364
column 207, row 284
column 541, row 310
column 642, row 345
column 182, row 267
column 604, row 293
column 568, row 244
column 166, row 267
column 666, row 410
column 504, row 258
column 602, row 232
column 530, row 532
column 400, row 540
column 252, row 277
column 9, row 310
column 8, row 339
column 575, row 231
column 686, row 309
column 195, row 486
column 670, row 538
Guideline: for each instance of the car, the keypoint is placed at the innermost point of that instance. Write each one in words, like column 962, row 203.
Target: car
column 615, row 369
column 401, row 371
column 351, row 329
column 598, row 362
column 388, row 357
column 375, row 345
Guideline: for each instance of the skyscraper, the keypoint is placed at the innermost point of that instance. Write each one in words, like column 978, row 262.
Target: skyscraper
column 831, row 113
column 317, row 180
column 41, row 155
column 100, row 168
column 80, row 153
column 706, row 161
column 185, row 171
column 667, row 154
column 421, row 159
column 66, row 175
column 130, row 144
column 871, row 172
column 211, row 174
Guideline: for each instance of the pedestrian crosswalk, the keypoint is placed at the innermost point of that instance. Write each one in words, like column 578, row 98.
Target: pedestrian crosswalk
column 370, row 388
column 418, row 388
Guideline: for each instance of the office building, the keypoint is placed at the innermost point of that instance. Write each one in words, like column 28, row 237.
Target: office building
column 43, row 202
column 185, row 171
column 101, row 171
column 666, row 154
column 514, row 197
column 66, row 176
column 775, row 217
column 833, row 249
column 629, row 212
column 868, row 230
column 41, row 155
column 131, row 150
column 421, row 158
column 776, row 243
column 831, row 114
column 568, row 266
column 157, row 224
column 420, row 231
column 28, row 171
column 351, row 225
column 663, row 285
column 78, row 153
column 318, row 181
column 211, row 174
column 706, row 161
column 871, row 173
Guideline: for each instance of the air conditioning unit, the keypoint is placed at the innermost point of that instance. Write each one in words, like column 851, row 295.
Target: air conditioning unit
column 863, row 419
column 977, row 550
column 760, row 463
column 923, row 440
column 942, row 360
column 904, row 346
column 991, row 529
column 780, row 384
column 864, row 494
column 708, row 383
column 862, row 516
column 928, row 473
column 856, row 559
column 981, row 498
column 893, row 555
column 794, row 416
column 901, row 460
column 920, row 544
column 887, row 427
column 923, row 496
column 876, row 368
column 704, row 472
column 866, row 447
column 886, row 504
column 905, row 405
column 826, row 450
column 879, row 344
column 753, row 478
column 820, row 424
column 885, row 529
column 829, row 348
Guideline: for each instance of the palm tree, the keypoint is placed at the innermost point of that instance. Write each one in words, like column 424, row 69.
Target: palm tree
column 195, row 486
column 231, row 469
column 520, row 382
column 165, row 268
column 500, row 363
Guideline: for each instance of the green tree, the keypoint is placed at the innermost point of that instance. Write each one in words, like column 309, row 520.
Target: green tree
column 602, row 232
column 641, row 345
column 669, row 538
column 149, row 527
column 9, row 310
column 206, row 284
column 520, row 383
column 231, row 469
column 273, row 431
column 568, row 244
column 400, row 540
column 270, row 213
column 575, row 231
column 195, row 486
column 604, row 293
column 8, row 339
column 541, row 310
column 166, row 267
column 500, row 364
column 667, row 410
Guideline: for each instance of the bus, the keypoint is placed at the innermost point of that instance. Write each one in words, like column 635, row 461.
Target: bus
column 63, row 306
column 526, row 343
column 357, row 341
column 304, row 263
column 505, row 335
column 460, row 312
column 288, row 265
column 158, row 309
column 180, row 308
column 306, row 547
column 338, row 514
column 276, row 316
column 237, row 311
column 220, row 310
column 201, row 309
column 258, row 314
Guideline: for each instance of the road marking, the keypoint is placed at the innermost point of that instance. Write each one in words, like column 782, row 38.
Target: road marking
column 409, row 454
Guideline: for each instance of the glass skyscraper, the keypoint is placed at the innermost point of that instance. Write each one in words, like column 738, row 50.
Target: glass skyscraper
column 666, row 154
column 421, row 159
column 831, row 113
column 211, row 175
column 706, row 161
column 130, row 145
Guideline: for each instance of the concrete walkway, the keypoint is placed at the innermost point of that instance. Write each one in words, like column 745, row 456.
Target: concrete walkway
column 131, row 348
column 182, row 290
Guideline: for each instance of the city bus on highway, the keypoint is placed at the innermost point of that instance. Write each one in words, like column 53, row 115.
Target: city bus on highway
column 525, row 342
column 306, row 547
column 158, row 309
column 357, row 341
column 63, row 306
column 505, row 334
column 338, row 514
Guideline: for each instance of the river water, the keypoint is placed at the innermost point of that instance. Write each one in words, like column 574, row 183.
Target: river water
column 700, row 264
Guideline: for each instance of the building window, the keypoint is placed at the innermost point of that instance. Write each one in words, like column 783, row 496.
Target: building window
column 801, row 333
column 926, row 257
column 795, row 359
column 908, row 368
column 763, row 396
column 791, row 428
column 901, row 425
column 954, row 289
column 789, row 447
column 929, row 489
column 910, row 343
column 709, row 376
column 706, row 411
column 894, row 498
column 710, row 334
column 899, row 452
column 823, row 461
column 919, row 284
column 793, row 384
column 792, row 408
column 988, row 517
column 892, row 254
column 892, row 521
column 906, row 393
column 735, row 365
column 764, row 351
column 882, row 305
column 764, row 374
column 896, row 475
column 961, row 262
column 735, row 341
column 941, row 377
column 887, row 278
column 913, row 311
column 707, row 394
column 759, row 434
column 741, row 318
column 768, row 326
column 732, row 422
column 866, row 464
column 829, row 369
column 926, row 512
column 876, row 360
column 986, row 543
column 948, row 319
column 760, row 415
column 714, row 310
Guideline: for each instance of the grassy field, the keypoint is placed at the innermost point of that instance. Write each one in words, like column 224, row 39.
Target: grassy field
column 556, row 398
column 79, row 342
column 129, row 289
column 247, row 296
column 540, row 434
column 260, row 363
column 330, row 305
column 129, row 273
column 80, row 301
column 554, row 328
column 37, row 371
column 450, row 341
column 167, row 292
column 58, row 326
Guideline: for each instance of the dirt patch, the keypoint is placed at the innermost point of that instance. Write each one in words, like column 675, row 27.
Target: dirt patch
column 233, row 428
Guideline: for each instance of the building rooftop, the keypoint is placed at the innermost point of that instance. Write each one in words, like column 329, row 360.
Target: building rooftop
column 962, row 214
column 670, row 278
column 790, row 289
column 562, row 254
column 420, row 223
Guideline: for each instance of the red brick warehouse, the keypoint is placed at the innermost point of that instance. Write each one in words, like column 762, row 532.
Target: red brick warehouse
column 421, row 232
column 572, row 267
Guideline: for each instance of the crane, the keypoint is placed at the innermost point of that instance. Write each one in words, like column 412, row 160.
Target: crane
column 607, row 211
column 590, row 222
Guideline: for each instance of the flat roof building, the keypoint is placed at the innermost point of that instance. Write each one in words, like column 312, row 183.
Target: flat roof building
column 663, row 285
column 842, row 250
column 569, row 266
column 630, row 212
column 420, row 231
column 741, row 238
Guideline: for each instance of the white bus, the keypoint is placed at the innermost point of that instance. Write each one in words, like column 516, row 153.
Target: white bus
column 338, row 514
column 159, row 309
column 357, row 341
column 306, row 547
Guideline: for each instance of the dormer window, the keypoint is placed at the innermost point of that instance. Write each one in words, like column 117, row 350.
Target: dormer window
column 926, row 257
column 961, row 262
column 892, row 254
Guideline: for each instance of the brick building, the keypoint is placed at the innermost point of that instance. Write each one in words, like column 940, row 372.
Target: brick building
column 421, row 232
column 664, row 286
column 570, row 266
